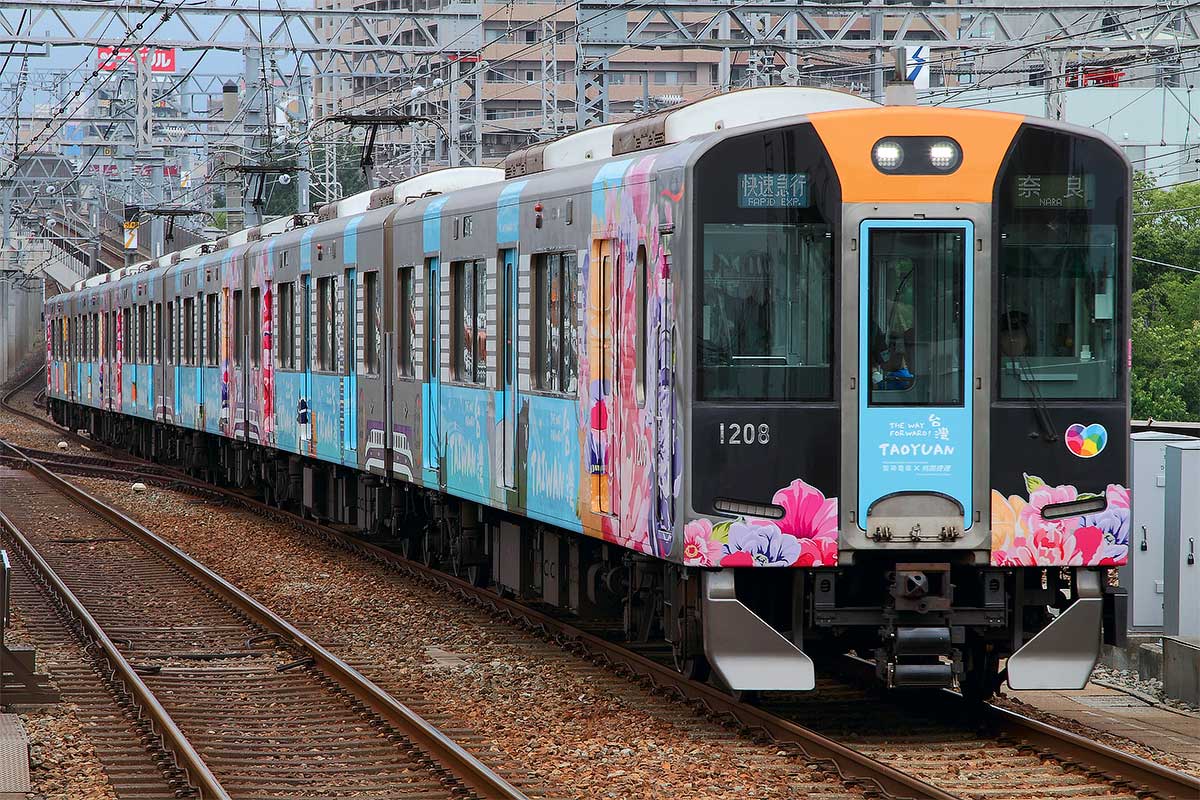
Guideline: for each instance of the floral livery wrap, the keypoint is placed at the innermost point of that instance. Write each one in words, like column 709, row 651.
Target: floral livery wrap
column 806, row 535
column 1022, row 537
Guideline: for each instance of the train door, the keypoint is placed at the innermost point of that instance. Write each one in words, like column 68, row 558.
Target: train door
column 508, row 260
column 351, row 336
column 603, row 435
column 915, row 366
column 660, row 389
column 303, row 413
column 433, row 298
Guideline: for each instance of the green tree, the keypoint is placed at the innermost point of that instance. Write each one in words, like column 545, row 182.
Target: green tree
column 1165, row 380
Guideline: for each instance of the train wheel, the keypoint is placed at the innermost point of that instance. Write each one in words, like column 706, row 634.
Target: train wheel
column 429, row 549
column 697, row 668
column 981, row 677
column 690, row 661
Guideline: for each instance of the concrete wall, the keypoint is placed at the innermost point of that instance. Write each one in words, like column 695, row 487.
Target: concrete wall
column 20, row 321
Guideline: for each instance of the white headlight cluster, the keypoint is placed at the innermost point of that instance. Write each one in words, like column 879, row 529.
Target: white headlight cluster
column 888, row 155
column 944, row 154
column 917, row 155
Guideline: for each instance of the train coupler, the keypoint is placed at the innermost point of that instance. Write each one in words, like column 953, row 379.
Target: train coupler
column 918, row 657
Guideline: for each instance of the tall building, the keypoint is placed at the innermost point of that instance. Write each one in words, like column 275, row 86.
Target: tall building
column 528, row 56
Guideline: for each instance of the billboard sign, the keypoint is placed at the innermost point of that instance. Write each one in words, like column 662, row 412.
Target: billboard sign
column 162, row 59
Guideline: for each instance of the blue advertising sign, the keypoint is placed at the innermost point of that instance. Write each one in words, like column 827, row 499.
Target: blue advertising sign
column 772, row 190
column 915, row 447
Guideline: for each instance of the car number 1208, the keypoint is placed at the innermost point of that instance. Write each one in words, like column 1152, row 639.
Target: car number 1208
column 745, row 433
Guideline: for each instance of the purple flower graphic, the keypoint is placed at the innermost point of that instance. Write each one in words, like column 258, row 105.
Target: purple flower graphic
column 1113, row 522
column 759, row 544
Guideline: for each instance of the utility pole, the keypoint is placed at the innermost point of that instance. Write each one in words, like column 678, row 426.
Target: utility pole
column 1055, row 64
column 234, row 218
column 254, row 117
column 303, row 166
column 877, row 55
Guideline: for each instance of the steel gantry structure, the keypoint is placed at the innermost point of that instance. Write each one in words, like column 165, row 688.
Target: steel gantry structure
column 765, row 30
column 285, row 49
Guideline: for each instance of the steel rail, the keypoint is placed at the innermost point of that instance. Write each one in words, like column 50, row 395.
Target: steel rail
column 853, row 767
column 1109, row 761
column 186, row 757
column 470, row 771
column 1063, row 745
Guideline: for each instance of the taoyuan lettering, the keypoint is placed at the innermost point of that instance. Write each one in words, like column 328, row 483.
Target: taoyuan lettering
column 917, row 447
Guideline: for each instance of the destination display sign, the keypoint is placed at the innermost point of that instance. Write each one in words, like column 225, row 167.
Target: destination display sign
column 772, row 190
column 1055, row 191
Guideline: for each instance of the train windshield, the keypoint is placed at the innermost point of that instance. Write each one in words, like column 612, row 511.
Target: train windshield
column 1061, row 205
column 766, row 313
column 765, row 289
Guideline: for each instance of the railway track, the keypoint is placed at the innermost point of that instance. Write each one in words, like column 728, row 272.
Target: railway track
column 247, row 705
column 904, row 752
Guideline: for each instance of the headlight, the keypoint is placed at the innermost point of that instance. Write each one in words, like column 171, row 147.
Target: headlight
column 917, row 155
column 944, row 154
column 888, row 155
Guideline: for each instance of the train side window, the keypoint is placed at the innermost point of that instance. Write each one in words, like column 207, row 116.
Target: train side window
column 189, row 331
column 255, row 310
column 468, row 333
column 169, row 342
column 371, row 317
column 556, row 311
column 239, row 328
column 406, row 332
column 156, row 345
column 285, row 326
column 143, row 331
column 126, row 336
column 639, row 370
column 326, row 325
column 212, row 345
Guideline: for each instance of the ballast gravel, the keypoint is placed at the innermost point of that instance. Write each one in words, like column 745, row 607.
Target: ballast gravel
column 532, row 710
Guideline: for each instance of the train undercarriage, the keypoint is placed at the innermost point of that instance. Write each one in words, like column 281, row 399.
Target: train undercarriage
column 926, row 624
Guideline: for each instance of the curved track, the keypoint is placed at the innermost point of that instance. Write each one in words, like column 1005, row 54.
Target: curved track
column 248, row 705
column 1069, row 764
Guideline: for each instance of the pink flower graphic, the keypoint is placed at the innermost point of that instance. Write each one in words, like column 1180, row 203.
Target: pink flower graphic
column 820, row 551
column 700, row 549
column 808, row 514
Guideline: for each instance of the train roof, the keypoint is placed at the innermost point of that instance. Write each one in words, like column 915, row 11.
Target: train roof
column 744, row 108
column 734, row 109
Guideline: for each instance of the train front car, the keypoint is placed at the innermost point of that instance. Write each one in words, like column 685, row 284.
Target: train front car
column 909, row 381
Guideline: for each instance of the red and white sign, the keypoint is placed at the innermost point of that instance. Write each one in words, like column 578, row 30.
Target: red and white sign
column 162, row 59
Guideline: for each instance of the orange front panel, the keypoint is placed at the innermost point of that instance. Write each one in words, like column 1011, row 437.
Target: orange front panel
column 983, row 135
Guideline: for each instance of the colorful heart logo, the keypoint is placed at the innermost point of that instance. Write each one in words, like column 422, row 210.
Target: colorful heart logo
column 1086, row 441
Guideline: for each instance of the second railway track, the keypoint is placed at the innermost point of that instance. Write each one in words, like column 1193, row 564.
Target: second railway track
column 249, row 706
column 936, row 761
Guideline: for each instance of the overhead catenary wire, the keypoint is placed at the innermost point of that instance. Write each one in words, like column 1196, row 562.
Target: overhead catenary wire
column 1165, row 264
column 132, row 54
column 1162, row 211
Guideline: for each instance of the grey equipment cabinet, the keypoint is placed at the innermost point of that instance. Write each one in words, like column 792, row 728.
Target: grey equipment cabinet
column 1181, row 604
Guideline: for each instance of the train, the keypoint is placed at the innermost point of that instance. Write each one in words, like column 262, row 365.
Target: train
column 772, row 377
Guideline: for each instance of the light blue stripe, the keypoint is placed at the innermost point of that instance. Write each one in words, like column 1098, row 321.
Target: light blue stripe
column 508, row 213
column 607, row 177
column 432, row 233
column 350, row 241
column 306, row 251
